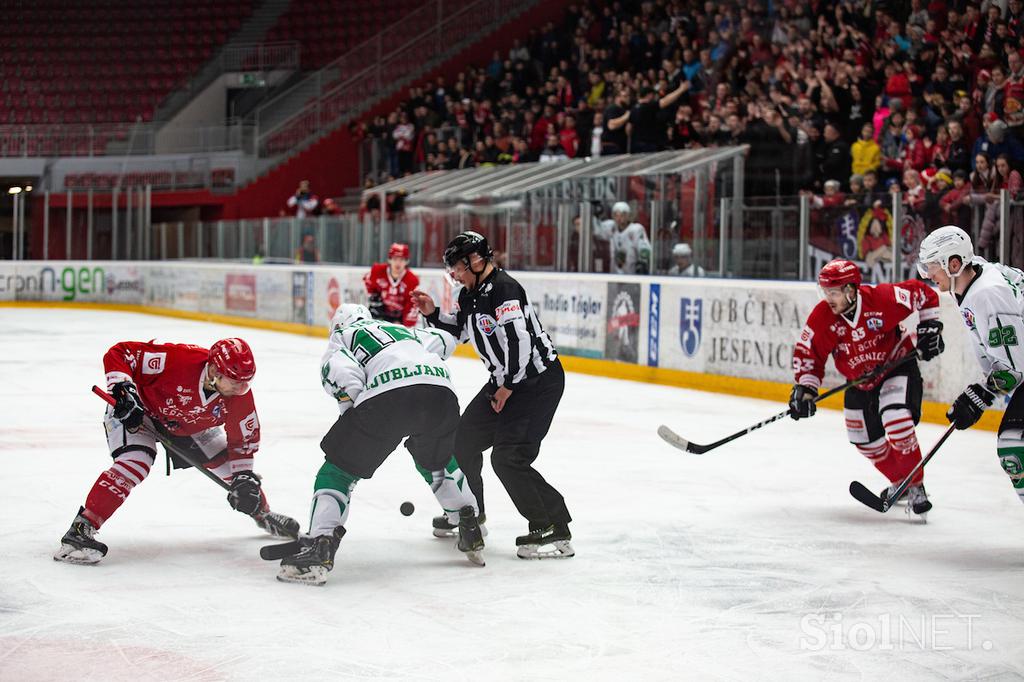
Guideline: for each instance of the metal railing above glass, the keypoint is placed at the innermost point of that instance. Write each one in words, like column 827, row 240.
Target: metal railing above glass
column 120, row 139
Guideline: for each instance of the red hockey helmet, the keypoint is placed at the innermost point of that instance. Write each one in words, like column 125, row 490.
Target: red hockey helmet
column 839, row 273
column 398, row 250
column 233, row 358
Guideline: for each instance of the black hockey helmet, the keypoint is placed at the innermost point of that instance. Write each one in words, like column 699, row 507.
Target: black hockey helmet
column 464, row 245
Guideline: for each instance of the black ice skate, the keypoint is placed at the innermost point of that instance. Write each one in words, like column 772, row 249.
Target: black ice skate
column 278, row 525
column 445, row 529
column 471, row 537
column 79, row 546
column 311, row 564
column 546, row 543
column 918, row 504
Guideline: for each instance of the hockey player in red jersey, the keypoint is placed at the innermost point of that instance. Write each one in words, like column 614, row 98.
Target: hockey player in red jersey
column 389, row 286
column 861, row 327
column 183, row 394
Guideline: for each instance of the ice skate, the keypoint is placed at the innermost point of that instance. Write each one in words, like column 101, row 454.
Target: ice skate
column 79, row 546
column 888, row 490
column 918, row 504
column 312, row 563
column 471, row 539
column 546, row 543
column 278, row 525
column 443, row 528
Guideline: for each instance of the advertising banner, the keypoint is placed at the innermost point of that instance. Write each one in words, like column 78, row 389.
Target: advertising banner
column 622, row 330
column 572, row 313
column 240, row 293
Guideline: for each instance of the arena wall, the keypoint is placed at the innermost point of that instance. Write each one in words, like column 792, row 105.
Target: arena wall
column 727, row 336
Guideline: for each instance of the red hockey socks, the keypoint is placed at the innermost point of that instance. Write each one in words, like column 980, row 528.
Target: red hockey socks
column 112, row 487
column 904, row 448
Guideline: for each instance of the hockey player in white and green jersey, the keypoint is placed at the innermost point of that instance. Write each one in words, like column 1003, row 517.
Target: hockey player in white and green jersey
column 390, row 382
column 991, row 301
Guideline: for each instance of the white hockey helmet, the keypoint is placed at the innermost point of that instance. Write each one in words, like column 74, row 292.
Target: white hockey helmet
column 682, row 250
column 941, row 245
column 621, row 207
column 347, row 313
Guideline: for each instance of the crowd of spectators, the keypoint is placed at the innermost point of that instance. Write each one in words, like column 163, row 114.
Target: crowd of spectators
column 844, row 100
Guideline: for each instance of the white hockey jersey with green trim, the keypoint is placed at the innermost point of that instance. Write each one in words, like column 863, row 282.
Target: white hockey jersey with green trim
column 370, row 357
column 993, row 311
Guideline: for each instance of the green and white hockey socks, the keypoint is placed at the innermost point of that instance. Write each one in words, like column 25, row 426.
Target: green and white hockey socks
column 1010, row 447
column 332, row 492
column 451, row 489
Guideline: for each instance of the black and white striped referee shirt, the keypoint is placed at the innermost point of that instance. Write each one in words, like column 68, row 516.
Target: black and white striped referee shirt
column 504, row 328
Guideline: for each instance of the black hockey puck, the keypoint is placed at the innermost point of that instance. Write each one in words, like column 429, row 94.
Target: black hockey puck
column 407, row 509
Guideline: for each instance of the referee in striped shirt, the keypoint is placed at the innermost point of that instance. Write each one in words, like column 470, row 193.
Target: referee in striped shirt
column 513, row 411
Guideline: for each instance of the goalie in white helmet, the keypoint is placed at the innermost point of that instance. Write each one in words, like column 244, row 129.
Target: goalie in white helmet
column 991, row 301
column 390, row 382
column 631, row 249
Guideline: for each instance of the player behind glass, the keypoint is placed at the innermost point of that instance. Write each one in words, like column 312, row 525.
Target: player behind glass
column 389, row 286
column 389, row 382
column 196, row 398
column 860, row 326
column 991, row 301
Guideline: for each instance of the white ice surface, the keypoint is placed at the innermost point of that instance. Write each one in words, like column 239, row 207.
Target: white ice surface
column 750, row 562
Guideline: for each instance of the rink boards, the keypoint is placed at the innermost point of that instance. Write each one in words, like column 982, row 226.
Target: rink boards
column 728, row 336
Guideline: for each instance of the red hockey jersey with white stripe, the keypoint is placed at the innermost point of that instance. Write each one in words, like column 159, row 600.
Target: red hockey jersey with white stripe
column 169, row 377
column 873, row 335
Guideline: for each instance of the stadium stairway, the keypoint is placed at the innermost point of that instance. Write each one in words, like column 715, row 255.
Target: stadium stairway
column 331, row 161
column 253, row 30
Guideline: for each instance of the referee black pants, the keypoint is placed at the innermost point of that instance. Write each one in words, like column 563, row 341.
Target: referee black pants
column 515, row 435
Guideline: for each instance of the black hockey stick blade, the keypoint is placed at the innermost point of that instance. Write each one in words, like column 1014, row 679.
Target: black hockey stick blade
column 677, row 441
column 861, row 493
column 280, row 551
column 281, row 525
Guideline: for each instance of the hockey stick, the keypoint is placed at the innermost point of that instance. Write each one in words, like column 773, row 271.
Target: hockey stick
column 281, row 550
column 283, row 525
column 868, row 498
column 677, row 441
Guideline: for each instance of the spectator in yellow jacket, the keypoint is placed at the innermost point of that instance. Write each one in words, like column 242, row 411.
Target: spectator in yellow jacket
column 865, row 152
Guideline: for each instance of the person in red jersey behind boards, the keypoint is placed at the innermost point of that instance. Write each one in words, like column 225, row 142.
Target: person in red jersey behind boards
column 390, row 285
column 199, row 400
column 861, row 327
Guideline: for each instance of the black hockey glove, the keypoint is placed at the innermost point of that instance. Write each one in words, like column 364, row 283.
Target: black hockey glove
column 929, row 339
column 969, row 406
column 128, row 405
column 801, row 401
column 244, row 495
column 376, row 306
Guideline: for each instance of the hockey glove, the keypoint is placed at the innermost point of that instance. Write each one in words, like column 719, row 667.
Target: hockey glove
column 128, row 405
column 801, row 401
column 929, row 339
column 969, row 406
column 244, row 495
column 376, row 306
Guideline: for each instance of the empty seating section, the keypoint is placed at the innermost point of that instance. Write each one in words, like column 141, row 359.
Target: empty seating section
column 329, row 28
column 103, row 61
